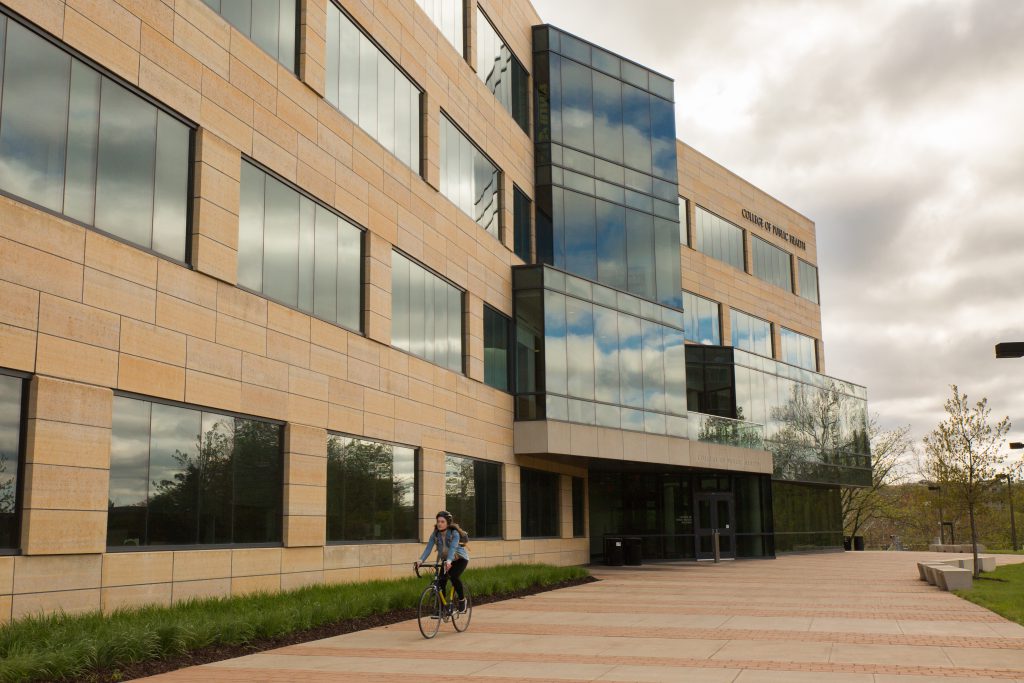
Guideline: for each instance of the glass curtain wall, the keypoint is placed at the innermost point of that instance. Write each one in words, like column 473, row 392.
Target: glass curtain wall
column 497, row 342
column 807, row 517
column 297, row 251
column 469, row 179
column 750, row 333
column 11, row 397
column 426, row 314
column 371, row 490
column 608, row 358
column 472, row 490
column 798, row 349
column 502, row 72
column 78, row 143
column 522, row 210
column 607, row 192
column 182, row 476
column 447, row 15
column 540, row 508
column 702, row 325
column 718, row 238
column 771, row 264
column 271, row 24
column 808, row 280
column 366, row 86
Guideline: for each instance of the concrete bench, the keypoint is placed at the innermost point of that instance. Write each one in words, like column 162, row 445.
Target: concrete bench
column 953, row 578
column 986, row 562
column 922, row 569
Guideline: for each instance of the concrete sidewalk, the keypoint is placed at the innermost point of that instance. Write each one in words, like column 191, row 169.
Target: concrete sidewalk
column 858, row 617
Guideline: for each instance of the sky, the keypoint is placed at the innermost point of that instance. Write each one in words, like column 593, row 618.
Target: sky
column 898, row 127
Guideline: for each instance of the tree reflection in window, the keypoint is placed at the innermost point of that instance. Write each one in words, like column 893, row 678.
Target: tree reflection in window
column 371, row 490
column 10, row 450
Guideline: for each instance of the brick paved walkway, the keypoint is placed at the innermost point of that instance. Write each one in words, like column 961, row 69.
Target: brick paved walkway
column 857, row 617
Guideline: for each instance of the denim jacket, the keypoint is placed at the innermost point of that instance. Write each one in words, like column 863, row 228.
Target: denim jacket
column 454, row 549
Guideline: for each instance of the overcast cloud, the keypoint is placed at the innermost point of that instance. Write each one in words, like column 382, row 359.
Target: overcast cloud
column 898, row 127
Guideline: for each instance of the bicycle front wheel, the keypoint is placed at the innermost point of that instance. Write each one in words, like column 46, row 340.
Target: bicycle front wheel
column 429, row 615
column 460, row 620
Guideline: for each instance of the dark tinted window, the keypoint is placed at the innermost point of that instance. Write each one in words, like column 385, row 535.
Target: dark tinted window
column 522, row 209
column 808, row 281
column 719, row 238
column 298, row 252
column 501, row 71
column 578, row 505
column 426, row 314
column 271, row 24
column 469, row 179
column 371, row 490
column 78, row 143
column 181, row 476
column 497, row 339
column 472, row 490
column 10, row 458
column 771, row 264
column 540, row 505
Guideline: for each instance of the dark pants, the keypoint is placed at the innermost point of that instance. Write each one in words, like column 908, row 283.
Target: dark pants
column 458, row 566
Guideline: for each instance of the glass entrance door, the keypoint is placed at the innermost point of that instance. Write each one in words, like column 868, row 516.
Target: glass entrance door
column 715, row 511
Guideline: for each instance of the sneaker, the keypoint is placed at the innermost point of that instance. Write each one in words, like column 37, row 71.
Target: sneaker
column 462, row 606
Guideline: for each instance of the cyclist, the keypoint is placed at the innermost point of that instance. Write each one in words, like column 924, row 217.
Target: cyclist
column 451, row 552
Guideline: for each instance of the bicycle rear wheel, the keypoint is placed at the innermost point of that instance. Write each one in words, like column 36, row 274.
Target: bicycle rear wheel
column 429, row 615
column 460, row 620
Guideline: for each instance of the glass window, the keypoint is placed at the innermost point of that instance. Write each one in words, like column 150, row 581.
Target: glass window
column 501, row 71
column 183, row 476
column 703, row 325
column 798, row 349
column 750, row 333
column 447, row 16
column 472, row 491
column 808, row 280
column 719, row 238
column 539, row 503
column 298, row 252
column 578, row 505
column 497, row 338
column 366, row 86
column 469, row 179
column 78, row 143
column 771, row 264
column 11, row 390
column 684, row 222
column 371, row 490
column 521, row 214
column 271, row 24
column 426, row 314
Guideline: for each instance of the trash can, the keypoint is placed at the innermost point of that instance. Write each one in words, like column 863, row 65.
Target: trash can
column 614, row 554
column 847, row 543
column 633, row 552
column 858, row 543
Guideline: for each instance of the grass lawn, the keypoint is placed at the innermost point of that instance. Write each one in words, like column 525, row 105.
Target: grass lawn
column 1001, row 591
column 61, row 646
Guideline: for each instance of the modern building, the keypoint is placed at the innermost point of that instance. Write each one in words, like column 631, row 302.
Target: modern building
column 279, row 279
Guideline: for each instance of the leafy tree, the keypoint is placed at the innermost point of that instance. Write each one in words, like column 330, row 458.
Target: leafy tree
column 964, row 454
column 863, row 505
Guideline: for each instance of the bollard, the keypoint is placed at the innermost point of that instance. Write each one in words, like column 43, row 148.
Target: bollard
column 714, row 542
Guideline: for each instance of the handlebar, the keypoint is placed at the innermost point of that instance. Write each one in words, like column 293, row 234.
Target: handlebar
column 435, row 566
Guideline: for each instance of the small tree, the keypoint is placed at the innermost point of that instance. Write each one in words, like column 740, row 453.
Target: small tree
column 862, row 505
column 964, row 454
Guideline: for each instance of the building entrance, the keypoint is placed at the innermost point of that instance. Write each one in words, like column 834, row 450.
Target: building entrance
column 715, row 512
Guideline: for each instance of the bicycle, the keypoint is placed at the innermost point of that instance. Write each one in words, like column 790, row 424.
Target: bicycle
column 438, row 606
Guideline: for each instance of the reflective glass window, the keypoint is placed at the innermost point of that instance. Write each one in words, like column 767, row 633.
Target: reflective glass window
column 684, row 222
column 271, row 24
column 469, row 179
column 497, row 339
column 750, row 333
column 472, row 492
column 501, row 71
column 297, row 251
column 426, row 314
column 371, row 490
column 719, row 238
column 522, row 209
column 78, row 143
column 612, row 266
column 447, row 15
column 578, row 507
column 366, row 86
column 771, row 264
column 798, row 349
column 539, row 494
column 808, row 280
column 11, row 391
column 185, row 476
column 703, row 325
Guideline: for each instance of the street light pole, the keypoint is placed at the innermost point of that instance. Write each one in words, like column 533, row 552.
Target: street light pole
column 1014, row 445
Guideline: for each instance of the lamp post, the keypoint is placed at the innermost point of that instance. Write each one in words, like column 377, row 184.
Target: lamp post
column 1014, row 445
column 936, row 487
